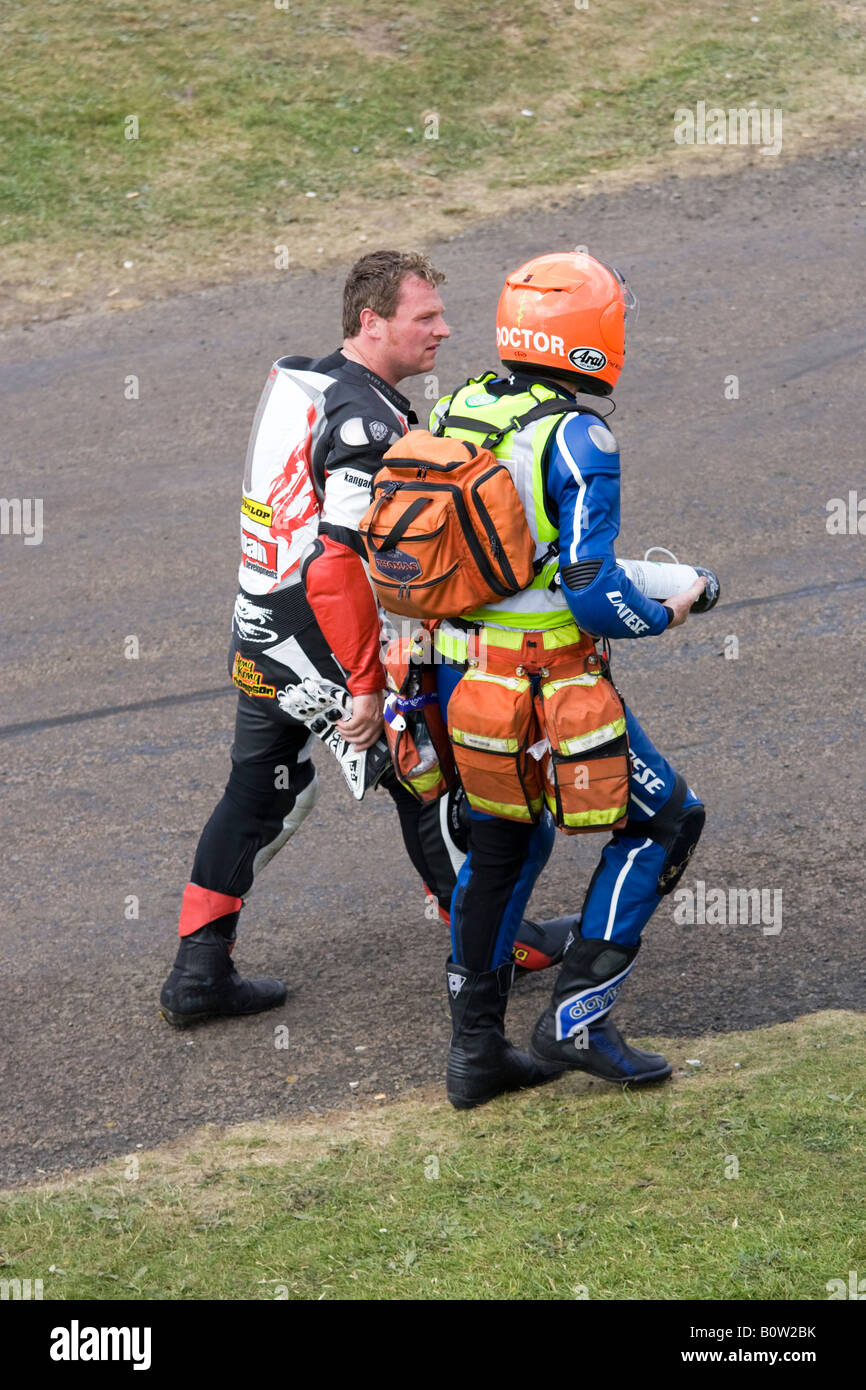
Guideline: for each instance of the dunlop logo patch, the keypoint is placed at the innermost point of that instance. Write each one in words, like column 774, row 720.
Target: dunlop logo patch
column 257, row 511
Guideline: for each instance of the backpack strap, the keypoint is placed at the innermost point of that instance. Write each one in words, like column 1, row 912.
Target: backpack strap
column 496, row 434
column 400, row 527
column 539, row 412
column 538, row 565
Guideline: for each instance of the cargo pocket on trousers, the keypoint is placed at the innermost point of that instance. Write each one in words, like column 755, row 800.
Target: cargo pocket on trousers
column 491, row 722
column 586, row 775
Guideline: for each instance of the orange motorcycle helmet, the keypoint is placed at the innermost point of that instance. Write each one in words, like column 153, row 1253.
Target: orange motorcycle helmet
column 566, row 312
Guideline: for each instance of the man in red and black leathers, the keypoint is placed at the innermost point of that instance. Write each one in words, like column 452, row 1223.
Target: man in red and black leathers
column 305, row 609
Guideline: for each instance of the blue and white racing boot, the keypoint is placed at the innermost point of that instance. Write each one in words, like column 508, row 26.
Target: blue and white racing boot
column 575, row 1030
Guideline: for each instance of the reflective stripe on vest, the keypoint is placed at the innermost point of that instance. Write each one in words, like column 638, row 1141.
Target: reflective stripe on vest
column 455, row 644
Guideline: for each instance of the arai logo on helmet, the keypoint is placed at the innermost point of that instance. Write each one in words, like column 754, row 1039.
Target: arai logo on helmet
column 587, row 359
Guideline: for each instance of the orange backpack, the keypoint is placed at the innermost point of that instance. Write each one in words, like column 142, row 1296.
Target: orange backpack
column 446, row 531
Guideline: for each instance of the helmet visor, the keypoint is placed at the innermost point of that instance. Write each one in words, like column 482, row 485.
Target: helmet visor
column 630, row 299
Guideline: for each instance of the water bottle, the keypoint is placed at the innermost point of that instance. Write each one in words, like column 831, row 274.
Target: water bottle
column 408, row 709
column 661, row 580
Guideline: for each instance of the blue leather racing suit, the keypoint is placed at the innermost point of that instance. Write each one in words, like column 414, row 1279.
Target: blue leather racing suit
column 646, row 857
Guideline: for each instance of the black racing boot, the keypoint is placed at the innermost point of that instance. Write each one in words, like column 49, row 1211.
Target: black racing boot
column 539, row 945
column 205, row 984
column 481, row 1061
column 574, row 1030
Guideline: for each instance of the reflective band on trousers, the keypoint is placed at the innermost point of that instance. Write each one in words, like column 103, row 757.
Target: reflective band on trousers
column 485, row 743
column 587, row 817
column 606, row 734
column 505, row 808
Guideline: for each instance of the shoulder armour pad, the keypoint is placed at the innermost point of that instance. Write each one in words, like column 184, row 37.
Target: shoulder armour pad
column 603, row 439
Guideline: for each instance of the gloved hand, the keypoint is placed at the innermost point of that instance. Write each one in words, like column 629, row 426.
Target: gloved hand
column 322, row 705
column 363, row 726
column 318, row 704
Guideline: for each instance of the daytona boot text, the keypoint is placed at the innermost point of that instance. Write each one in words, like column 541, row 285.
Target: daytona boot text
column 205, row 984
column 574, row 1029
column 481, row 1061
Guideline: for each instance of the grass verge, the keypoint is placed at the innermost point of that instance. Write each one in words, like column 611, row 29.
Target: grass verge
column 740, row 1179
column 317, row 127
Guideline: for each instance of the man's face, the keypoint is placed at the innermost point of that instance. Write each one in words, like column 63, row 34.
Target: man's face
column 412, row 336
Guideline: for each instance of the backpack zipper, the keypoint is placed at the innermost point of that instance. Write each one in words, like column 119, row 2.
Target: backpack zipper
column 405, row 586
column 496, row 546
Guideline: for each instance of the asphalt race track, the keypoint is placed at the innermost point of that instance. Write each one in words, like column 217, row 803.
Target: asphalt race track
column 112, row 765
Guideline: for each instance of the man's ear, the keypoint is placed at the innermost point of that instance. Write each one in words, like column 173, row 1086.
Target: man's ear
column 371, row 323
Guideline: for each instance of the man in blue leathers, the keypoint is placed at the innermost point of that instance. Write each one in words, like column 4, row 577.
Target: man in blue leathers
column 560, row 330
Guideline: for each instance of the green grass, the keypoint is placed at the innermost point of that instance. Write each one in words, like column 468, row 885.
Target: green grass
column 540, row 1196
column 243, row 112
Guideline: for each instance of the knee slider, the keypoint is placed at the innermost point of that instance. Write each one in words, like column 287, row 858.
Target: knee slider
column 677, row 828
column 689, row 825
